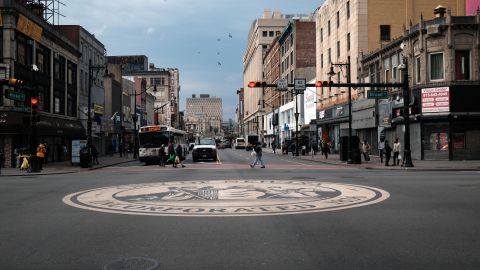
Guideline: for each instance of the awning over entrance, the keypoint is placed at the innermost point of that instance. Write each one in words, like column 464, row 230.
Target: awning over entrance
column 18, row 123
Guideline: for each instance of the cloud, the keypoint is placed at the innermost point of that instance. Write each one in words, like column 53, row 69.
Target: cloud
column 150, row 30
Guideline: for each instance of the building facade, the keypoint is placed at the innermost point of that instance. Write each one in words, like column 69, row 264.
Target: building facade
column 260, row 37
column 346, row 29
column 209, row 109
column 92, row 52
column 443, row 65
column 32, row 50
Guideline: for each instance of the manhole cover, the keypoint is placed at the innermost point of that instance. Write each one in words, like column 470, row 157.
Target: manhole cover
column 137, row 263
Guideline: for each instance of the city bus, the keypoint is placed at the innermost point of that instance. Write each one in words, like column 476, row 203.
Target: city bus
column 151, row 139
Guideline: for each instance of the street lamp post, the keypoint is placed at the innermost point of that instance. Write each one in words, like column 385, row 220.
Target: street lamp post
column 135, row 118
column 91, row 68
column 351, row 151
column 407, row 154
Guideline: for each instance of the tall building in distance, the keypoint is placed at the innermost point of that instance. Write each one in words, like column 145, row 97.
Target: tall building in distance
column 262, row 33
column 204, row 115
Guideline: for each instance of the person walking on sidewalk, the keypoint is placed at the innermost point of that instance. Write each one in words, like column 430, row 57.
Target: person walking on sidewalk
column 171, row 154
column 388, row 153
column 325, row 148
column 95, row 155
column 274, row 145
column 396, row 152
column 366, row 150
column 258, row 156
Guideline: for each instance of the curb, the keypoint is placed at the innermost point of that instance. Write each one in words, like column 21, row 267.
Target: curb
column 69, row 172
column 111, row 164
column 397, row 168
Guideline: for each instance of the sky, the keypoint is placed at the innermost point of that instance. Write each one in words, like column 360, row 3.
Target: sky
column 204, row 39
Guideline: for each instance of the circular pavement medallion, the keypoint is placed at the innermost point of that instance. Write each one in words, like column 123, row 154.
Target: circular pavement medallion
column 226, row 198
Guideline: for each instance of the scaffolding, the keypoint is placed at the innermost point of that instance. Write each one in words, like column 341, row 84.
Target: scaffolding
column 49, row 10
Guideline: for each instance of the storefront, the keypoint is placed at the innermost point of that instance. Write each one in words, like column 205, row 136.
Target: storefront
column 450, row 122
column 57, row 133
column 364, row 121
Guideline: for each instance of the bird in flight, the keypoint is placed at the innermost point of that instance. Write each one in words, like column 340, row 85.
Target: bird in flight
column 230, row 35
column 219, row 63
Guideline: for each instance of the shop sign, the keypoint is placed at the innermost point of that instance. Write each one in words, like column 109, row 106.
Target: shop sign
column 76, row 146
column 29, row 28
column 19, row 96
column 436, row 100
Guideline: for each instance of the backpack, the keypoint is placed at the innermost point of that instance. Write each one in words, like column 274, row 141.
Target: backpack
column 258, row 149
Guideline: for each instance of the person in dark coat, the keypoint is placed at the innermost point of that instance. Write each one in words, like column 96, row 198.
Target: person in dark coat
column 388, row 153
column 171, row 154
column 179, row 154
column 258, row 156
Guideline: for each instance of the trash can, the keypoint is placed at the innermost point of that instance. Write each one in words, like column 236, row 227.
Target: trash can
column 85, row 158
column 354, row 144
column 34, row 163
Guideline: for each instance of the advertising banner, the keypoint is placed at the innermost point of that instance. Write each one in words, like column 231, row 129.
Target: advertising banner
column 436, row 100
column 76, row 146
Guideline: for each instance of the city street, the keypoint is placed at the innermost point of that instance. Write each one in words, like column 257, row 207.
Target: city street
column 293, row 214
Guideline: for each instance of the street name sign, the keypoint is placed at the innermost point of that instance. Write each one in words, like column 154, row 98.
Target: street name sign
column 300, row 85
column 282, row 85
column 19, row 96
column 377, row 94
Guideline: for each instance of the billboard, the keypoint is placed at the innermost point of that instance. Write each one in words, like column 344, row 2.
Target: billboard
column 436, row 100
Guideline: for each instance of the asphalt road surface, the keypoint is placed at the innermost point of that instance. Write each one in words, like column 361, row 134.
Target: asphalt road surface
column 293, row 214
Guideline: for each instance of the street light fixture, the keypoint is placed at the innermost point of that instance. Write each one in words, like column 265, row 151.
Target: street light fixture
column 91, row 68
column 351, row 152
column 407, row 154
column 135, row 118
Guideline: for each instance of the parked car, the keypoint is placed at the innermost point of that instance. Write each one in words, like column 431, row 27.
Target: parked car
column 239, row 143
column 228, row 144
column 221, row 145
column 205, row 149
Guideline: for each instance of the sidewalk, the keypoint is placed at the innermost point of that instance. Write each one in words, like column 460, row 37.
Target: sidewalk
column 66, row 167
column 374, row 163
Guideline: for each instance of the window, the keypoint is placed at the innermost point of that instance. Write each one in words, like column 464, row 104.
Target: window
column 436, row 66
column 329, row 55
column 329, row 28
column 291, row 58
column 321, row 60
column 291, row 76
column 321, row 34
column 338, row 19
column 270, row 33
column 417, row 70
column 348, row 42
column 338, row 49
column 264, row 33
column 348, row 9
column 384, row 32
column 462, row 65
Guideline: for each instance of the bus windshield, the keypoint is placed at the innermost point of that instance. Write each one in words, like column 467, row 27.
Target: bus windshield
column 153, row 139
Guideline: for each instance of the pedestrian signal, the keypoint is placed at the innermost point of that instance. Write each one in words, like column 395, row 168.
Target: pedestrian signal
column 34, row 101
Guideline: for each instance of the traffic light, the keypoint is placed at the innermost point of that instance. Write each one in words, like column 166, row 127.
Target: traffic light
column 257, row 84
column 324, row 84
column 15, row 82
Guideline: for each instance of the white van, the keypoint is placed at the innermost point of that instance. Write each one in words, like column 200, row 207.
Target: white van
column 239, row 143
